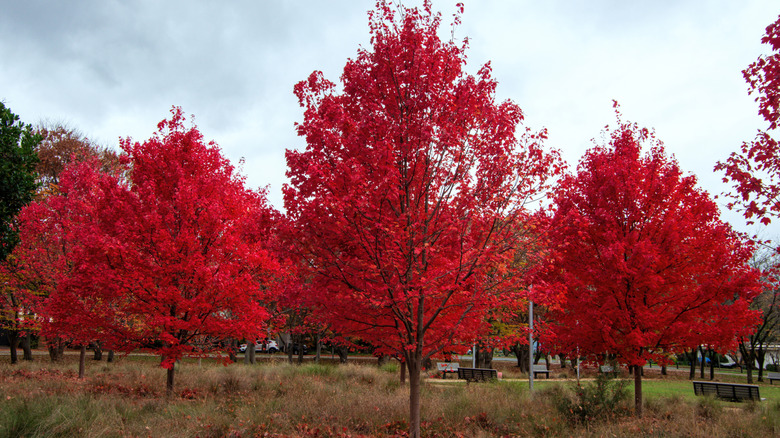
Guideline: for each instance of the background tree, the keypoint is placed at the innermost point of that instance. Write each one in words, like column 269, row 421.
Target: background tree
column 753, row 347
column 61, row 145
column 755, row 169
column 30, row 279
column 17, row 174
column 645, row 267
column 407, row 196
column 17, row 187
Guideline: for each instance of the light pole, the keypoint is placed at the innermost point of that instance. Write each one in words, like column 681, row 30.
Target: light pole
column 531, row 345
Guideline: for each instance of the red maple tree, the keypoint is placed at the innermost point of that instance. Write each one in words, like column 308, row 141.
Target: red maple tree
column 172, row 260
column 643, row 264
column 755, row 169
column 407, row 199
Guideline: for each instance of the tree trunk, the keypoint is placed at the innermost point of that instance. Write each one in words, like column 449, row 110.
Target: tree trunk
column 13, row 343
column 713, row 358
column 748, row 358
column 563, row 361
column 484, row 357
column 521, row 353
column 663, row 370
column 56, row 349
column 249, row 354
column 110, row 356
column 318, row 355
column 343, row 353
column 638, row 390
column 703, row 363
column 403, row 372
column 26, row 348
column 98, row 352
column 169, row 381
column 760, row 357
column 692, row 357
column 382, row 359
column 231, row 350
column 415, row 364
column 82, row 360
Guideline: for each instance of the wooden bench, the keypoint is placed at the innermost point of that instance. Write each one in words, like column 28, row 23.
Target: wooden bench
column 608, row 369
column 541, row 369
column 772, row 377
column 448, row 367
column 727, row 391
column 477, row 374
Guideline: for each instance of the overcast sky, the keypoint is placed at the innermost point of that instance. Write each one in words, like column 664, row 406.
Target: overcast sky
column 114, row 68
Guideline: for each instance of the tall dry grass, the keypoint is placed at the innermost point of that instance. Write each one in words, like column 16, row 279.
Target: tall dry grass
column 128, row 399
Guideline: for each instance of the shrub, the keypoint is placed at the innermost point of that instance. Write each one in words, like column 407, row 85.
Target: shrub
column 597, row 401
column 708, row 408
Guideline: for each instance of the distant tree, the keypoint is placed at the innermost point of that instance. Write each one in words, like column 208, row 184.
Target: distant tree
column 753, row 347
column 18, row 158
column 32, row 281
column 643, row 263
column 410, row 189
column 17, row 174
column 61, row 145
column 755, row 169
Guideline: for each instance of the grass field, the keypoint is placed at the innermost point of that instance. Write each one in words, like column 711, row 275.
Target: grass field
column 127, row 398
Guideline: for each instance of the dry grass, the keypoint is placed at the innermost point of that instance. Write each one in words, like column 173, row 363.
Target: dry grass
column 128, row 399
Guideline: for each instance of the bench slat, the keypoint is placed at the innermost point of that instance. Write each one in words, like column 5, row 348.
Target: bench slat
column 540, row 369
column 477, row 374
column 727, row 391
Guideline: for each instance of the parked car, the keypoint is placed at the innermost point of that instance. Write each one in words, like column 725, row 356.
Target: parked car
column 262, row 346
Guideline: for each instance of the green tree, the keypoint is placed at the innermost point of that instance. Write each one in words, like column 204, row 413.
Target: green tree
column 17, row 174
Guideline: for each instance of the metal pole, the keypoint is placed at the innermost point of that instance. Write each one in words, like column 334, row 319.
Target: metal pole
column 531, row 345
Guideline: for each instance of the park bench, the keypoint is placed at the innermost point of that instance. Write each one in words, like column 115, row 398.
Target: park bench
column 728, row 391
column 772, row 377
column 608, row 369
column 541, row 369
column 477, row 374
column 448, row 367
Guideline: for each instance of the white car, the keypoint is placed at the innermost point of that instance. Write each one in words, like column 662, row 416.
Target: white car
column 267, row 346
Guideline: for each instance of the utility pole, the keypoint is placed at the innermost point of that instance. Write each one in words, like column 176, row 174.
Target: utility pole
column 531, row 345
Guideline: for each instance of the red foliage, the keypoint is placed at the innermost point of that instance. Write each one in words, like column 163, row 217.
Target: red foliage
column 172, row 260
column 409, row 196
column 755, row 170
column 644, row 266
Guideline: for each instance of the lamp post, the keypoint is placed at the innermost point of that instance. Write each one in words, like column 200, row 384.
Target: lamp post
column 531, row 345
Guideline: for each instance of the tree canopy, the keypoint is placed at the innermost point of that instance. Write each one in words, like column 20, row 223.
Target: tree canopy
column 18, row 159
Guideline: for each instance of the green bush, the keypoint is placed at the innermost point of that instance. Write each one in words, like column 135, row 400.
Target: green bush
column 773, row 367
column 597, row 401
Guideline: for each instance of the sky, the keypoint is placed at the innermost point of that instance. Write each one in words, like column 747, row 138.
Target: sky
column 112, row 69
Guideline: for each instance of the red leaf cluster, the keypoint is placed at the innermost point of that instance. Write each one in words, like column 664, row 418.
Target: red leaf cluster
column 643, row 265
